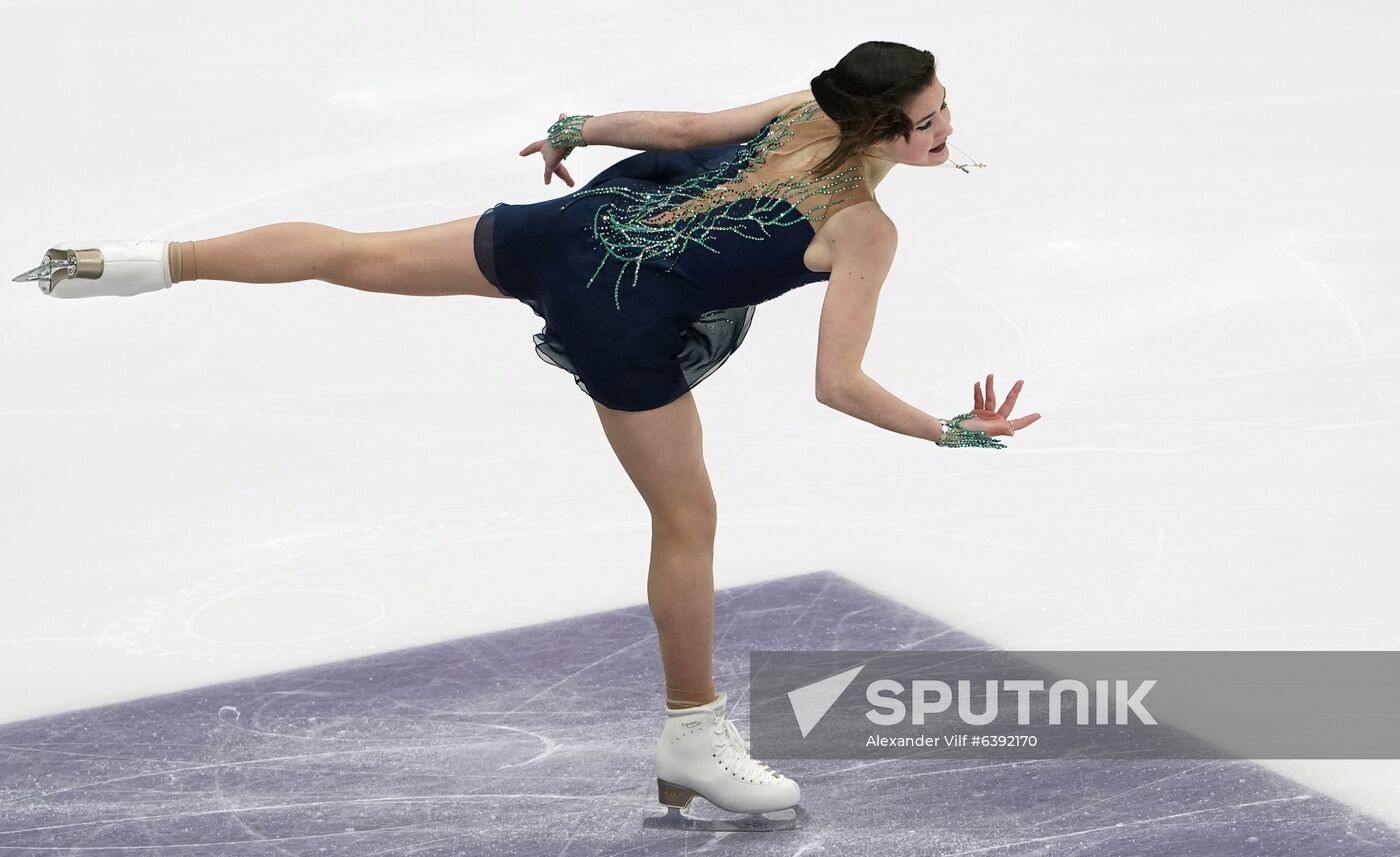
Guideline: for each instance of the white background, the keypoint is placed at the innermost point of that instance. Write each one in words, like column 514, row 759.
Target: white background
column 1185, row 241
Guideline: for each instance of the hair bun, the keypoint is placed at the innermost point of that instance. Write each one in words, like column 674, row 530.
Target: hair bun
column 828, row 79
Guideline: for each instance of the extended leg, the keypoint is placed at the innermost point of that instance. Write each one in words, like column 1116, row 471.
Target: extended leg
column 277, row 253
column 425, row 261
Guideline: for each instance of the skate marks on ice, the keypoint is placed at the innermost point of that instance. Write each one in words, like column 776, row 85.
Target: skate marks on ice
column 539, row 739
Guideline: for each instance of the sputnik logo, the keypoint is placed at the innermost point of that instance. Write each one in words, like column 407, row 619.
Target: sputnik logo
column 811, row 702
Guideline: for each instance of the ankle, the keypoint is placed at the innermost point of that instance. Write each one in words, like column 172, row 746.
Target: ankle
column 688, row 699
column 182, row 263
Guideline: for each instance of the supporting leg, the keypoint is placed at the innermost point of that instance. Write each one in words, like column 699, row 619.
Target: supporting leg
column 681, row 593
column 662, row 451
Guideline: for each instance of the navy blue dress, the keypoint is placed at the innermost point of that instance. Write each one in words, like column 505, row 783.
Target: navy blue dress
column 637, row 333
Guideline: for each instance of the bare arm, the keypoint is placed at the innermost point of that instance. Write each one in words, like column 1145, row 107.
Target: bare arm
column 863, row 247
column 638, row 129
column 738, row 124
column 868, row 401
column 665, row 130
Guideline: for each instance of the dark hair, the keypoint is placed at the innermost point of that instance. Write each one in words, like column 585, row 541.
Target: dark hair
column 866, row 92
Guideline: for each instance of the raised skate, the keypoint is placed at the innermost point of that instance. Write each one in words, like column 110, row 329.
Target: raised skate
column 702, row 754
column 88, row 269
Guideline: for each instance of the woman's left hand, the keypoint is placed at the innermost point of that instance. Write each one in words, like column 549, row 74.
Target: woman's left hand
column 553, row 158
column 987, row 417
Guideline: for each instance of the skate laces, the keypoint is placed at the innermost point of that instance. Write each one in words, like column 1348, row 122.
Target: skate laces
column 735, row 751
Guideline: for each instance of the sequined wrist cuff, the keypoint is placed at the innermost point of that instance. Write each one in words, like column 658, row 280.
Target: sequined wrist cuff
column 568, row 132
column 955, row 435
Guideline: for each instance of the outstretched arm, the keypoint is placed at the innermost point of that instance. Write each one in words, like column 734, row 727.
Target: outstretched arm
column 862, row 252
column 863, row 247
column 638, row 129
column 647, row 129
column 631, row 129
column 663, row 130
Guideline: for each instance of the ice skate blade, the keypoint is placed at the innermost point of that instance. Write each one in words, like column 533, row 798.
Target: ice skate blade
column 39, row 273
column 754, row 822
column 60, row 265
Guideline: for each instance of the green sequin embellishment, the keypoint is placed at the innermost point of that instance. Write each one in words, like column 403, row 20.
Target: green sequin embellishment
column 568, row 132
column 622, row 230
column 955, row 435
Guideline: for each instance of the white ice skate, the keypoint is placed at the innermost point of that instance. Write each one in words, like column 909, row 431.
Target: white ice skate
column 86, row 269
column 702, row 754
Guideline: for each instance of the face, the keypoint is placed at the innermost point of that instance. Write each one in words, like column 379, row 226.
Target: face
column 933, row 125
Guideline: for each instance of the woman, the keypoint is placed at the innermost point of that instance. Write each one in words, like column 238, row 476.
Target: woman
column 647, row 278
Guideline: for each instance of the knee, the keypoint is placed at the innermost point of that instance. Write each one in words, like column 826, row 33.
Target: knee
column 692, row 523
column 360, row 261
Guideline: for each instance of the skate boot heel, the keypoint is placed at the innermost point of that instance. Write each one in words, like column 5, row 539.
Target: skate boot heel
column 671, row 794
column 102, row 268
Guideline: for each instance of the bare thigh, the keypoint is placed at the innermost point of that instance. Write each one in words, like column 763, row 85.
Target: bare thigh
column 662, row 452
column 428, row 260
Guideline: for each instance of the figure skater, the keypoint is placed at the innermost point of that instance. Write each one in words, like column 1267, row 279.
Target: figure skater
column 647, row 278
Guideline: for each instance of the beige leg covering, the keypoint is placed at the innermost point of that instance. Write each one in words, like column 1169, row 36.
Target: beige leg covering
column 182, row 264
column 679, row 698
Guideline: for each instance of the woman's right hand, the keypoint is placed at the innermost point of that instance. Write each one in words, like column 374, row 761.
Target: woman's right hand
column 987, row 417
column 553, row 158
